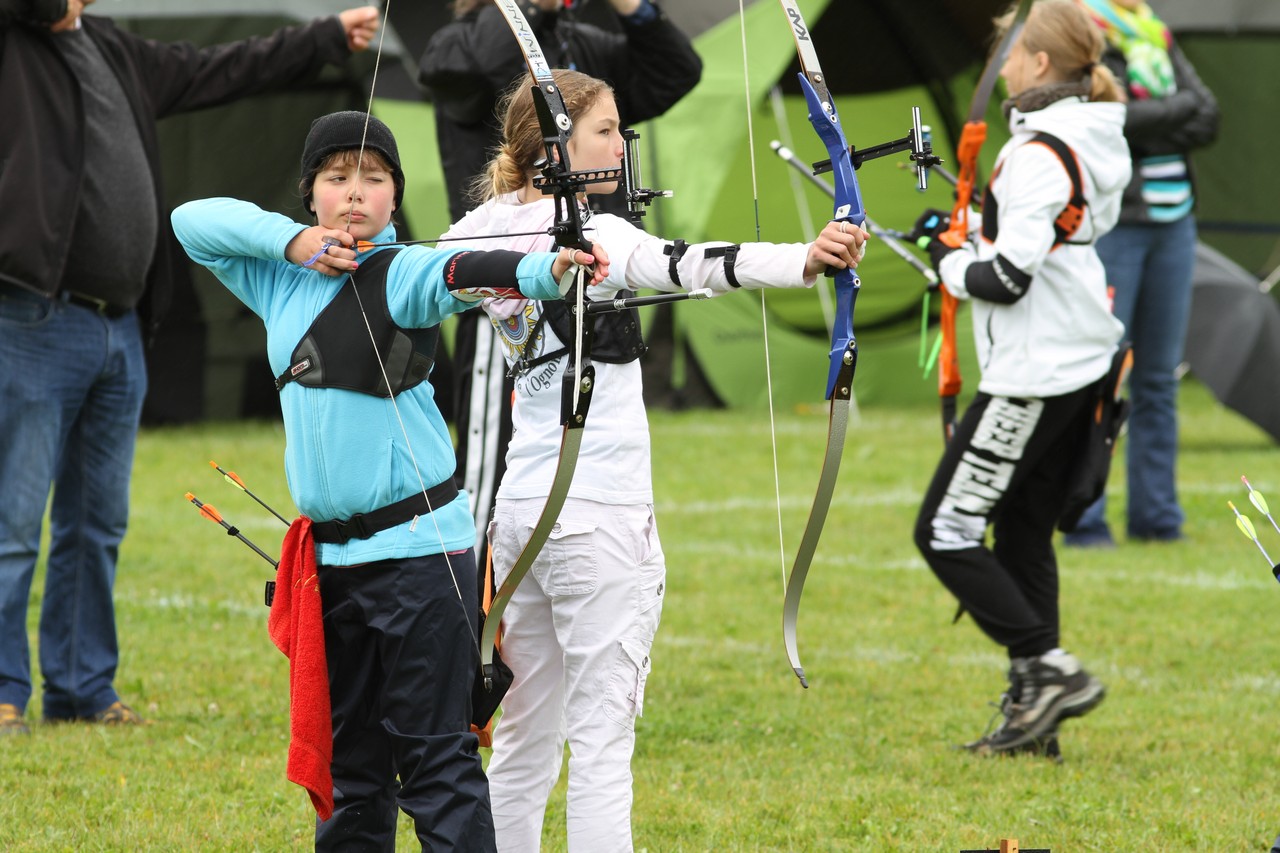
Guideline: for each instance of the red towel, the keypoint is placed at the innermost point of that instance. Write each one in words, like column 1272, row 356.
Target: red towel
column 297, row 629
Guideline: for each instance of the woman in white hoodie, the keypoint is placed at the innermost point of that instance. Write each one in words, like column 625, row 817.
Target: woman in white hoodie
column 1046, row 338
column 578, row 630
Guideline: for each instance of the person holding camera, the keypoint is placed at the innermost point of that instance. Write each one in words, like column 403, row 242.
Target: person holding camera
column 84, row 249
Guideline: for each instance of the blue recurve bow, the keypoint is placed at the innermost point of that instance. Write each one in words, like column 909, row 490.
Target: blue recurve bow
column 843, row 163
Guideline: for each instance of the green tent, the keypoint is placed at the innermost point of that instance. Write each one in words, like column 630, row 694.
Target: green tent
column 699, row 149
column 703, row 152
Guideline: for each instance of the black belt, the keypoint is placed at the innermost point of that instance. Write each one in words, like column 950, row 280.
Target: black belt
column 98, row 306
column 362, row 525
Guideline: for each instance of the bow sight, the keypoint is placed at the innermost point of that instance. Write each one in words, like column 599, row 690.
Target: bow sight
column 638, row 197
column 917, row 141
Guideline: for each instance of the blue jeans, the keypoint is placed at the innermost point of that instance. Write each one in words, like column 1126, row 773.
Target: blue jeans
column 71, row 389
column 1150, row 267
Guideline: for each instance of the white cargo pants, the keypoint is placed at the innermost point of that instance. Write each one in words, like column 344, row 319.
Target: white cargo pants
column 577, row 637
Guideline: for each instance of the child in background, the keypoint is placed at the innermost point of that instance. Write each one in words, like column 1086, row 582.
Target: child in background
column 394, row 536
column 578, row 630
column 1045, row 338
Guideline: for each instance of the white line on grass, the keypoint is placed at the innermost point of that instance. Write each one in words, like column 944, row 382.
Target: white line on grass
column 189, row 603
column 895, row 497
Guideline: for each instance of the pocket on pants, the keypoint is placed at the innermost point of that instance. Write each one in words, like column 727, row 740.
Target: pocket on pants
column 569, row 559
column 20, row 307
column 651, row 589
column 624, row 697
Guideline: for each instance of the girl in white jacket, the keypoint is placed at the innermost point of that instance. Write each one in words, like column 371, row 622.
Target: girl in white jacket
column 578, row 631
column 1045, row 339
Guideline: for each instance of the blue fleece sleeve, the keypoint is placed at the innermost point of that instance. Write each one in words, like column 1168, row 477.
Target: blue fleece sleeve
column 239, row 242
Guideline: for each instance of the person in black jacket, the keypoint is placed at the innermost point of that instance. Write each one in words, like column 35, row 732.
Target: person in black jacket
column 465, row 68
column 84, row 243
column 1150, row 256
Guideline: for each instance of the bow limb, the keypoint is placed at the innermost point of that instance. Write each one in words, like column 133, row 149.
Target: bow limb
column 844, row 347
column 972, row 137
column 560, row 180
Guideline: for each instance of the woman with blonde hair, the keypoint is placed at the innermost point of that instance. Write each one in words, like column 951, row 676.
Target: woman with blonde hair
column 1046, row 339
column 579, row 628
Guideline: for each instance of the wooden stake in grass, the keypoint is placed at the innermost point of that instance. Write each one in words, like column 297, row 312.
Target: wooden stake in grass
column 1010, row 845
column 1246, row 527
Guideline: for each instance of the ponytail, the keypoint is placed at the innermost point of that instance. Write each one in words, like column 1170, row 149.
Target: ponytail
column 1103, row 85
column 1073, row 43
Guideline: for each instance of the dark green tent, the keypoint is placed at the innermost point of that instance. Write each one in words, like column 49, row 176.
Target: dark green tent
column 700, row 150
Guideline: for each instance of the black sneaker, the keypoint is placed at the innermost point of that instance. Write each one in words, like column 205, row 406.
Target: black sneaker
column 1044, row 691
column 1046, row 746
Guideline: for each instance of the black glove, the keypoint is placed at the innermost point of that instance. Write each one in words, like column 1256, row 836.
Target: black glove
column 925, row 235
column 929, row 225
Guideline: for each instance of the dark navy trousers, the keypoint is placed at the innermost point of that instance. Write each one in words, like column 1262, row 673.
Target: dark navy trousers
column 401, row 649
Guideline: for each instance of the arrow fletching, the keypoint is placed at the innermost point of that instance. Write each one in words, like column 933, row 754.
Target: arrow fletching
column 234, row 479
column 230, row 476
column 207, row 510
column 1260, row 502
column 1255, row 497
column 1246, row 527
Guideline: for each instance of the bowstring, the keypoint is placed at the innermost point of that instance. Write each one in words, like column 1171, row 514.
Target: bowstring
column 368, row 116
column 764, row 313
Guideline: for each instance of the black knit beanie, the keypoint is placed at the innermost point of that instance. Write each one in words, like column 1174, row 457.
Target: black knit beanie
column 345, row 131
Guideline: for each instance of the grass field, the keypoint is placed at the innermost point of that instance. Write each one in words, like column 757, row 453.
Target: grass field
column 733, row 754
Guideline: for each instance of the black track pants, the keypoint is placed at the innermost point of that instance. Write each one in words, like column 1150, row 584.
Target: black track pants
column 1007, row 466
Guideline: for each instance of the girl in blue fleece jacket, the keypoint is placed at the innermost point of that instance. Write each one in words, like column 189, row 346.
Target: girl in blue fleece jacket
column 370, row 460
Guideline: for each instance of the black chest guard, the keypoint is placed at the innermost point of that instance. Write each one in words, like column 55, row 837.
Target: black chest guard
column 336, row 353
column 1071, row 217
column 616, row 335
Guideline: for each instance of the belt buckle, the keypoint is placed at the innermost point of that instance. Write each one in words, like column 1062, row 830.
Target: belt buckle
column 100, row 306
column 352, row 528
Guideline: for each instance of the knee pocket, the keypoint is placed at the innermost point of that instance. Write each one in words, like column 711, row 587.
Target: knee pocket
column 624, row 697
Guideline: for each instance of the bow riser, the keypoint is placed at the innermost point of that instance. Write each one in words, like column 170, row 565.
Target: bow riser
column 848, row 208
